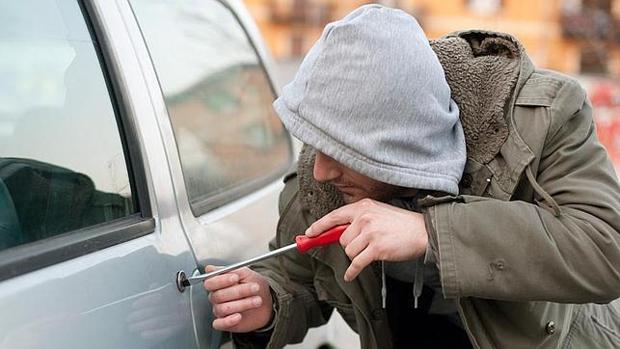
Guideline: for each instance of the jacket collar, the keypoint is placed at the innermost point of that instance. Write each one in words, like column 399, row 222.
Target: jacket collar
column 508, row 67
column 485, row 70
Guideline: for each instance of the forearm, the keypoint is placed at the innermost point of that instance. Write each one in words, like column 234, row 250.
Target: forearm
column 521, row 252
column 562, row 245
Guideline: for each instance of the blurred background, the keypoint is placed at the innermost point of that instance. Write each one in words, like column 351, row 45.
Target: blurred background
column 577, row 37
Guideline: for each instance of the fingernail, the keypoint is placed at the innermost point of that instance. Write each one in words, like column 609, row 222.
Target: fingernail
column 257, row 301
column 254, row 288
column 234, row 278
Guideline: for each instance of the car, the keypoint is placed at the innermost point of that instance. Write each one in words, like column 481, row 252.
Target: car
column 137, row 143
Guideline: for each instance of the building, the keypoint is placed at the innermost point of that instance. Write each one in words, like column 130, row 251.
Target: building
column 572, row 36
column 290, row 27
column 576, row 37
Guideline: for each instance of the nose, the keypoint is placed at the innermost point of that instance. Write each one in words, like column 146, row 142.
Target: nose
column 325, row 168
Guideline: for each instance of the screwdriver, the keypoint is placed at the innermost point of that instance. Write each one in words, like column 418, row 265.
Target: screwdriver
column 302, row 244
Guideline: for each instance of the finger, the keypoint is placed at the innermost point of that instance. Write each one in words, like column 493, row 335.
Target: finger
column 239, row 291
column 243, row 272
column 349, row 234
column 226, row 323
column 238, row 306
column 209, row 268
column 221, row 281
column 358, row 264
column 342, row 215
column 356, row 246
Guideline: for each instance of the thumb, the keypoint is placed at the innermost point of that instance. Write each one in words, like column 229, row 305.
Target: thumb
column 243, row 272
column 209, row 268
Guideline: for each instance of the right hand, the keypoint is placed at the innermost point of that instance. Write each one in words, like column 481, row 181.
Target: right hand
column 241, row 300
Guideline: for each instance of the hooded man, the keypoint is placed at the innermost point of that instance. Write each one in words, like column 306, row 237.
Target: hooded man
column 507, row 245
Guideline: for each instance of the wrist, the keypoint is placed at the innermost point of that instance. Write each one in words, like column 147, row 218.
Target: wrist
column 274, row 311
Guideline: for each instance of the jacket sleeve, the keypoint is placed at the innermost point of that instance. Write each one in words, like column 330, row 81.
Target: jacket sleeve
column 520, row 251
column 291, row 278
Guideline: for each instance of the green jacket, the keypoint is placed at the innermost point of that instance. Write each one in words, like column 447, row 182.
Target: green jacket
column 527, row 249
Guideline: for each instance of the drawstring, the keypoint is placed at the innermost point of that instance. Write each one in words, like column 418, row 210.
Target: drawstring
column 410, row 204
column 540, row 191
column 418, row 281
column 383, row 286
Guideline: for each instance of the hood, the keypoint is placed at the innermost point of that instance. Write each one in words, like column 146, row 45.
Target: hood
column 485, row 71
column 372, row 95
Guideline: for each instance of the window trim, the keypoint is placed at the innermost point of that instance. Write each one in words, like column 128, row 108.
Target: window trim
column 200, row 207
column 22, row 259
column 29, row 257
column 206, row 203
column 128, row 129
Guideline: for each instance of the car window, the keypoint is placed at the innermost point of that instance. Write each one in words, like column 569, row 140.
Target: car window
column 62, row 164
column 218, row 98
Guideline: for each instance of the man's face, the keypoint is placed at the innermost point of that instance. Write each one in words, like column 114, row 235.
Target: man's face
column 354, row 186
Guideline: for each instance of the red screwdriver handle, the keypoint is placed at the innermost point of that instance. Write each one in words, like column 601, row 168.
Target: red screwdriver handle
column 304, row 243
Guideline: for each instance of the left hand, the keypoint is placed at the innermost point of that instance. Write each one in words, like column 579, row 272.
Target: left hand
column 377, row 232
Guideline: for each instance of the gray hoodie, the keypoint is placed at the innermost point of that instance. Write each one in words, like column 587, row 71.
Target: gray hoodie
column 372, row 94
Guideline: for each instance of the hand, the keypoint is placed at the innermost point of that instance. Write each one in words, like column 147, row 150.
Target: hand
column 377, row 232
column 241, row 300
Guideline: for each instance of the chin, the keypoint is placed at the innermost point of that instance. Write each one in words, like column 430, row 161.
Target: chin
column 351, row 195
column 349, row 199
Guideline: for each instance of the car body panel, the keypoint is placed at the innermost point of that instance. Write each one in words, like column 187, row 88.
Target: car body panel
column 230, row 233
column 125, row 295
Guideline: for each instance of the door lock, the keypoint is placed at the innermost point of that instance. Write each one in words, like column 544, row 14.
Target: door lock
column 181, row 280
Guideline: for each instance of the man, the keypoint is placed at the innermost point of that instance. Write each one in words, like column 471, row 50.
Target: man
column 515, row 253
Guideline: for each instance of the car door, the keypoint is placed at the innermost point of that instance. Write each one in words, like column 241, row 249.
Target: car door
column 90, row 237
column 226, row 147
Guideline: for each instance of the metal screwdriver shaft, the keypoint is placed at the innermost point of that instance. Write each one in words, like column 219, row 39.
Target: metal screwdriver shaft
column 302, row 244
column 194, row 279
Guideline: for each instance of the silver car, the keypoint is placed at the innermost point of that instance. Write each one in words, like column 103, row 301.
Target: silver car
column 137, row 140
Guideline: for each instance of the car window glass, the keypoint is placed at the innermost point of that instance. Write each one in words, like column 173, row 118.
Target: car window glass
column 62, row 165
column 217, row 94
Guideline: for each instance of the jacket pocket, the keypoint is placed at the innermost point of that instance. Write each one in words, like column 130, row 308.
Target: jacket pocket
column 595, row 326
column 331, row 294
column 346, row 311
column 611, row 329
